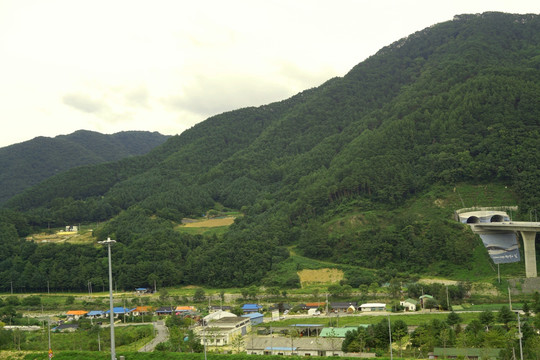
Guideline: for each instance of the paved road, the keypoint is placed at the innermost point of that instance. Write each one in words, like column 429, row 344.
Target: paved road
column 161, row 336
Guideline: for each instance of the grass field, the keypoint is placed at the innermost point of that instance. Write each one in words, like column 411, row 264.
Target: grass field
column 206, row 226
column 411, row 319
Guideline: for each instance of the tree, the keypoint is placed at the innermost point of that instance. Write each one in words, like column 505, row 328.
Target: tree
column 163, row 295
column 237, row 342
column 70, row 300
column 453, row 319
column 399, row 331
column 505, row 316
column 199, row 295
column 395, row 288
column 486, row 318
column 373, row 289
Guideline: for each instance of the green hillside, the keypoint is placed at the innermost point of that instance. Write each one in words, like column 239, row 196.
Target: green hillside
column 28, row 163
column 364, row 172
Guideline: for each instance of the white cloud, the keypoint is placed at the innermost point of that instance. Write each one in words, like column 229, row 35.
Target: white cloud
column 165, row 65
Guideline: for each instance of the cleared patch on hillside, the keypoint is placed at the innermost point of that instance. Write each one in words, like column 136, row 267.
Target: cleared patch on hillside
column 62, row 237
column 211, row 222
column 320, row 276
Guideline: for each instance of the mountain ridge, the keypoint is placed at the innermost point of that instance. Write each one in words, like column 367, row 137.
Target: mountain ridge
column 454, row 105
column 29, row 162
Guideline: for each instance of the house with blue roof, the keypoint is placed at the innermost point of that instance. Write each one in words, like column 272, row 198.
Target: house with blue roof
column 256, row 318
column 95, row 314
column 251, row 308
column 119, row 311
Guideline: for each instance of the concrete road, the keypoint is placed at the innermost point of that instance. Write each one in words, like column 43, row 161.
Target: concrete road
column 162, row 334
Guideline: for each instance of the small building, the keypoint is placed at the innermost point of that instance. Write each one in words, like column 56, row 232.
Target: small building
column 181, row 310
column 76, row 314
column 373, row 307
column 465, row 353
column 409, row 304
column 164, row 310
column 256, row 318
column 251, row 308
column 142, row 291
column 141, row 310
column 72, row 228
column 95, row 314
column 346, row 307
column 314, row 305
column 119, row 311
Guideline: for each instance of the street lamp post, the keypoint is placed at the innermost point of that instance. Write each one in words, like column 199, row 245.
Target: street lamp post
column 109, row 242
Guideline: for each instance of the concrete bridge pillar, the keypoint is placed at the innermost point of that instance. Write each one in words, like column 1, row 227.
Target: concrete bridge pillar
column 529, row 252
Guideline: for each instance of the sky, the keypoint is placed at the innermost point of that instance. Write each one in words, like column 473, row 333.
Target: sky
column 165, row 65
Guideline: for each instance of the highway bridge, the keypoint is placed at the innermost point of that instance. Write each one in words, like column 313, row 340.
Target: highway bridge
column 485, row 222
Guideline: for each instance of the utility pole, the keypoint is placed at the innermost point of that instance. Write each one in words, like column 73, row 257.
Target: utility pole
column 109, row 242
column 390, row 334
column 49, row 330
column 520, row 336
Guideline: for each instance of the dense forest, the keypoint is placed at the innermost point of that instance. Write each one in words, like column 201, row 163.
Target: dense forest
column 456, row 103
column 28, row 163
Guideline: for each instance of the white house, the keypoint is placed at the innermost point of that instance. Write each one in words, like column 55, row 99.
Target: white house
column 373, row 307
column 409, row 304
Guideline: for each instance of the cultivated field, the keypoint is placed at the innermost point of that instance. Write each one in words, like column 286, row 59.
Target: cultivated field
column 211, row 222
column 320, row 276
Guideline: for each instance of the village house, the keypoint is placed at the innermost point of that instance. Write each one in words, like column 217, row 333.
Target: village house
column 164, row 310
column 251, row 308
column 256, row 318
column 76, row 314
column 409, row 304
column 118, row 311
column 373, row 307
column 95, row 314
column 142, row 291
column 181, row 310
column 346, row 307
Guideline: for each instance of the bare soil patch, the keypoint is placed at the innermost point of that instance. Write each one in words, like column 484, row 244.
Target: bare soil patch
column 438, row 281
column 61, row 237
column 212, row 222
column 323, row 276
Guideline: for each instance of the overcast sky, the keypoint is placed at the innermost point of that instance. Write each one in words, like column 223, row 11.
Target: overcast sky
column 164, row 65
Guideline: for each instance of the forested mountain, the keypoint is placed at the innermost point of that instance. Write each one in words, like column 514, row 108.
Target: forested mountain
column 332, row 172
column 28, row 163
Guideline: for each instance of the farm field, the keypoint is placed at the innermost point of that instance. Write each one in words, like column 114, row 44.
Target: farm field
column 226, row 221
